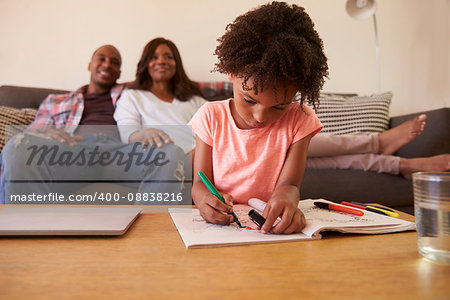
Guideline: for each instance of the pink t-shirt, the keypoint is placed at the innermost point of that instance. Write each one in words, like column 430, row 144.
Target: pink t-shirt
column 248, row 162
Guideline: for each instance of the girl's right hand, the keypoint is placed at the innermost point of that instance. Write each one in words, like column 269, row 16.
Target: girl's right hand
column 215, row 211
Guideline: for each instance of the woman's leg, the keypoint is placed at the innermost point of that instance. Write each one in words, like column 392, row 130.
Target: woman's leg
column 393, row 139
column 189, row 169
column 323, row 145
column 387, row 142
column 367, row 162
column 438, row 163
column 382, row 163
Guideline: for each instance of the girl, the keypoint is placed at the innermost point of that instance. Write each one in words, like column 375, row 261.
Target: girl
column 255, row 144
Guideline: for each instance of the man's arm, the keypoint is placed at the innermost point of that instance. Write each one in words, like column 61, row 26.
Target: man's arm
column 51, row 119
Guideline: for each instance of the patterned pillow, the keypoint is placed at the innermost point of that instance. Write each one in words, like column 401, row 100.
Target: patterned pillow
column 350, row 114
column 216, row 90
column 13, row 120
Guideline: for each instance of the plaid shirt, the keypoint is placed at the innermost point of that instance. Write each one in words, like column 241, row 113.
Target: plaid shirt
column 65, row 110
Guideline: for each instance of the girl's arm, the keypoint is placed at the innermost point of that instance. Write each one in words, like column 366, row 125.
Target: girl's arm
column 284, row 200
column 211, row 208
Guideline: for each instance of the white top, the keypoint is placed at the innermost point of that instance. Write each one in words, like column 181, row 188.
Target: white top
column 138, row 109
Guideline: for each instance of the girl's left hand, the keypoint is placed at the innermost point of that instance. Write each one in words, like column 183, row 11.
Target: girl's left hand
column 292, row 219
column 285, row 197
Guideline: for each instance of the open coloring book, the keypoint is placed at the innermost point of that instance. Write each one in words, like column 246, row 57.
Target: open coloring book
column 196, row 233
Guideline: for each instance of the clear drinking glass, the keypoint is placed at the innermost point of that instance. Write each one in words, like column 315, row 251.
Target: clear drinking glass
column 432, row 212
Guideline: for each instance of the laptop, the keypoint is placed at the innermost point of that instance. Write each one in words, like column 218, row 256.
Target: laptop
column 66, row 220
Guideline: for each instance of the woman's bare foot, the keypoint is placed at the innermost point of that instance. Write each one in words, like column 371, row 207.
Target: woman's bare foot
column 393, row 139
column 438, row 163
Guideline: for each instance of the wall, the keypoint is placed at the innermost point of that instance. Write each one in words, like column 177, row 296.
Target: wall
column 48, row 43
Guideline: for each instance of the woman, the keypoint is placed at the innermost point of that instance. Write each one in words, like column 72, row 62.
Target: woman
column 161, row 97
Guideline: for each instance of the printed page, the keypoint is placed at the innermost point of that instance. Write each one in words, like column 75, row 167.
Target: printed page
column 318, row 220
column 197, row 233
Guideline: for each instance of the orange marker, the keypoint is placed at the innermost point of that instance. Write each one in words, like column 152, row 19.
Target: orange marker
column 340, row 208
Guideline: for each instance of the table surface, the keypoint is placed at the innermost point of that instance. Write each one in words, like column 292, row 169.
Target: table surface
column 150, row 260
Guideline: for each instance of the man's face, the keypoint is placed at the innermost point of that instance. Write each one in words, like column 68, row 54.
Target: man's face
column 105, row 67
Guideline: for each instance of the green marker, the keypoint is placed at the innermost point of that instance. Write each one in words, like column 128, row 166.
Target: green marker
column 216, row 193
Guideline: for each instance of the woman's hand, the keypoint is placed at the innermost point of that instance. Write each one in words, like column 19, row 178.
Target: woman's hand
column 283, row 204
column 150, row 137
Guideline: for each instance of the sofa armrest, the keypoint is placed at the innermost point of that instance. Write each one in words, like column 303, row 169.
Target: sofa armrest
column 434, row 140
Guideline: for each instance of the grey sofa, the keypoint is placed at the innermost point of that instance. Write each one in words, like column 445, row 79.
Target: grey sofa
column 335, row 185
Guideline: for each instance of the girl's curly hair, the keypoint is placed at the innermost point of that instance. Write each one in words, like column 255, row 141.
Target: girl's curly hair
column 277, row 44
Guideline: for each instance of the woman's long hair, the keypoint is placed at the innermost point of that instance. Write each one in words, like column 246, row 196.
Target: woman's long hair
column 181, row 86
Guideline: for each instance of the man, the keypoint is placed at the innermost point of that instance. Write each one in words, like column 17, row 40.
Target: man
column 73, row 142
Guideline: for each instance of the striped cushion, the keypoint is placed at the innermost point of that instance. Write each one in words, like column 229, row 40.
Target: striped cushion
column 343, row 114
column 13, row 120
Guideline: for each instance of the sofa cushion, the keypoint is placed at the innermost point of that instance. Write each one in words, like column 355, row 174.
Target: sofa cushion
column 24, row 97
column 13, row 120
column 216, row 90
column 346, row 114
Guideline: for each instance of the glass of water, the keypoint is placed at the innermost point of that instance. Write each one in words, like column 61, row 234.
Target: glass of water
column 432, row 212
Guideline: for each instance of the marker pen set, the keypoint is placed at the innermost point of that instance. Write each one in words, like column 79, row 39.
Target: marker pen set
column 349, row 207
